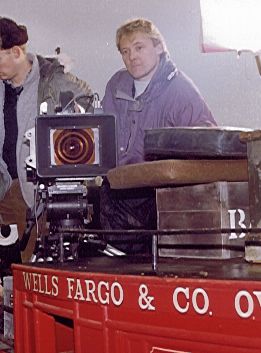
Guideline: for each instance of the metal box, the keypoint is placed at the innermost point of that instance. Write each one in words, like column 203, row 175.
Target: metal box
column 213, row 206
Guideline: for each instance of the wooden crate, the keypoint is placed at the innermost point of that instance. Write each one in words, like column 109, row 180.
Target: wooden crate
column 205, row 206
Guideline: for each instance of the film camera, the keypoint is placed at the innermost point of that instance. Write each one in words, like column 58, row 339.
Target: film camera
column 68, row 154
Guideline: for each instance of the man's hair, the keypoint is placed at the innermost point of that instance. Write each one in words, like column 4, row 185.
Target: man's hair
column 140, row 25
column 12, row 34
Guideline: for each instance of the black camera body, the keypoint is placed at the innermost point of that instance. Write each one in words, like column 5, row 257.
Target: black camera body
column 67, row 154
column 77, row 145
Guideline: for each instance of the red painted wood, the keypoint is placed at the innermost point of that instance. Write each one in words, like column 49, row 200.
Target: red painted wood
column 112, row 313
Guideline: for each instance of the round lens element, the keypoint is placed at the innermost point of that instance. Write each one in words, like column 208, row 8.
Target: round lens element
column 74, row 146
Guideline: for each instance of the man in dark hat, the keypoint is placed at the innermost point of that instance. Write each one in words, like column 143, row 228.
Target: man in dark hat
column 26, row 81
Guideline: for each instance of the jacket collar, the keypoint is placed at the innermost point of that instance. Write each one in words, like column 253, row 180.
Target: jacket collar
column 165, row 72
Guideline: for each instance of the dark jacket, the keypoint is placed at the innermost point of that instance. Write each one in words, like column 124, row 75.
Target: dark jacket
column 53, row 81
column 44, row 83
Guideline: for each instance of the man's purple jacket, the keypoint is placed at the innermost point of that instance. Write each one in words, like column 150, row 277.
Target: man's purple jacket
column 171, row 99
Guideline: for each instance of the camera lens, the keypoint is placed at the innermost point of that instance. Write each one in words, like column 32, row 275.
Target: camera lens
column 74, row 146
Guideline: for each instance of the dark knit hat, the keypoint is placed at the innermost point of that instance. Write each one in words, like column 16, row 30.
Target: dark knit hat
column 11, row 33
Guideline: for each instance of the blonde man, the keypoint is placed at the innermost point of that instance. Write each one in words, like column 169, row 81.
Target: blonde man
column 150, row 92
